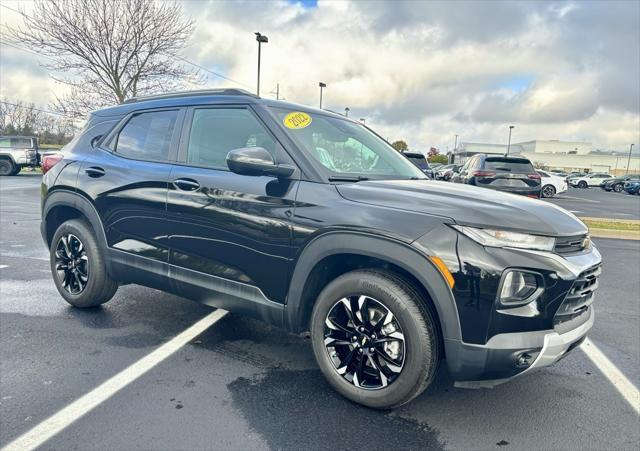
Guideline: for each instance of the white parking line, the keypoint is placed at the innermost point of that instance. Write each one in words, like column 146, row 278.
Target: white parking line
column 624, row 386
column 81, row 406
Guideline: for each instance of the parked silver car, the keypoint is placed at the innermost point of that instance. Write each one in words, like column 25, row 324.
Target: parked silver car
column 17, row 152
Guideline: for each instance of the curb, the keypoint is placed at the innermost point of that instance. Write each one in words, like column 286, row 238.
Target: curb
column 616, row 234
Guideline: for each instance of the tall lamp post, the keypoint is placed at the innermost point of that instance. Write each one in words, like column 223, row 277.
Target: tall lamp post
column 346, row 111
column 261, row 39
column 629, row 159
column 322, row 85
column 511, row 127
column 363, row 120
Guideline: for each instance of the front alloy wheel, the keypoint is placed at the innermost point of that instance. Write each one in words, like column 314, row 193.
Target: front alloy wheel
column 365, row 342
column 617, row 187
column 72, row 264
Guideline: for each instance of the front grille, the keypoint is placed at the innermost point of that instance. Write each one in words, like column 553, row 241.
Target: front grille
column 569, row 244
column 580, row 296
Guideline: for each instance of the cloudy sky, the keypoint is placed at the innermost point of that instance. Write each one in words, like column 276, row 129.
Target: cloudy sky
column 422, row 71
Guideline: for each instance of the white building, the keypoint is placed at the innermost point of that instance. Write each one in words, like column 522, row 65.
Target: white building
column 566, row 156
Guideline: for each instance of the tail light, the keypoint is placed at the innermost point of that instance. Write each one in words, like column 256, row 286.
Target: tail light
column 533, row 196
column 534, row 176
column 49, row 161
column 483, row 174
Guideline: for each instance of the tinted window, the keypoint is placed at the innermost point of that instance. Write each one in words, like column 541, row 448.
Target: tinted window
column 215, row 132
column 419, row 161
column 508, row 164
column 147, row 136
column 16, row 143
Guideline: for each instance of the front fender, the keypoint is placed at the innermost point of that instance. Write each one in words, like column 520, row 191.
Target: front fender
column 392, row 251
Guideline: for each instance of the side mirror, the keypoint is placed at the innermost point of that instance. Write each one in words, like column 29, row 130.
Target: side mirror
column 256, row 161
column 95, row 140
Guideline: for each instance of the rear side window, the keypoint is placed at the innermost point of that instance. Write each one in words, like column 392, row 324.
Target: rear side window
column 216, row 131
column 147, row 136
column 16, row 143
column 508, row 165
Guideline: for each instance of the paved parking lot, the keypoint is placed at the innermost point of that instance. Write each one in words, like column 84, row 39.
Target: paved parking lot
column 244, row 385
column 598, row 203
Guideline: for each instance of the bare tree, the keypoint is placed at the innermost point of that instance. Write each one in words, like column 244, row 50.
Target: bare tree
column 108, row 50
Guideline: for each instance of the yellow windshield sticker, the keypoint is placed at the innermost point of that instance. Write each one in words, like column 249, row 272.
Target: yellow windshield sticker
column 297, row 120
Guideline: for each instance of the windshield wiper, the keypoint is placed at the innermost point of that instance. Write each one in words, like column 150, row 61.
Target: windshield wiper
column 347, row 178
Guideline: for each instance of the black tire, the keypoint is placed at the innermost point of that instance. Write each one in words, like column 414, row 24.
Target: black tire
column 17, row 170
column 548, row 191
column 98, row 287
column 6, row 167
column 617, row 187
column 582, row 184
column 421, row 343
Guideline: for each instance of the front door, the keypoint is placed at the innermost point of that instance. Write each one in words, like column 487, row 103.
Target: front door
column 230, row 234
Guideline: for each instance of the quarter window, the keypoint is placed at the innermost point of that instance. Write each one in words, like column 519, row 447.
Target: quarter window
column 147, row 136
column 216, row 131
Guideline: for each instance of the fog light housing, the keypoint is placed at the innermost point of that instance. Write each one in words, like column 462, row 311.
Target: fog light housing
column 519, row 287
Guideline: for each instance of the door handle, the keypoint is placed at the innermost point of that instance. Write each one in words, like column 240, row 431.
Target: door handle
column 186, row 184
column 94, row 172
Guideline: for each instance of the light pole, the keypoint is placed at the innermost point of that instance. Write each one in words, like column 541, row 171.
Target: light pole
column 455, row 146
column 363, row 120
column 322, row 85
column 260, row 38
column 629, row 159
column 511, row 127
column 346, row 111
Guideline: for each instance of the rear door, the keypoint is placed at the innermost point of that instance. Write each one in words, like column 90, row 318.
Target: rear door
column 230, row 234
column 127, row 179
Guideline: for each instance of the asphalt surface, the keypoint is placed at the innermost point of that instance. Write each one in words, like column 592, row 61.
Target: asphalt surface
column 245, row 385
column 598, row 203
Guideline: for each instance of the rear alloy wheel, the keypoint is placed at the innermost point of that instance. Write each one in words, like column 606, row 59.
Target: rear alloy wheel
column 72, row 264
column 6, row 167
column 617, row 187
column 548, row 191
column 582, row 184
column 78, row 266
column 375, row 338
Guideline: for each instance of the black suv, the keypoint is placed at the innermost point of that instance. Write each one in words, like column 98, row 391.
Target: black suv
column 617, row 183
column 310, row 221
column 511, row 174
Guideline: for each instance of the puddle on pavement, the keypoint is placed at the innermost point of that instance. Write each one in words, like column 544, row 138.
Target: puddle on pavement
column 298, row 410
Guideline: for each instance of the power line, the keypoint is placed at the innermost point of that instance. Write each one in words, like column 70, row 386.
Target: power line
column 212, row 72
column 24, row 107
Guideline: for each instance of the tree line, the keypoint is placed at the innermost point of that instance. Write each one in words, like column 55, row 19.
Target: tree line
column 24, row 119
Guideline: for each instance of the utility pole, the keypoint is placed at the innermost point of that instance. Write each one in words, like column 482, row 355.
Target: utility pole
column 277, row 91
column 629, row 159
column 511, row 127
column 322, row 85
column 260, row 38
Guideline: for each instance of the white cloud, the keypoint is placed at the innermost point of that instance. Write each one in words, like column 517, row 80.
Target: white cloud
column 423, row 71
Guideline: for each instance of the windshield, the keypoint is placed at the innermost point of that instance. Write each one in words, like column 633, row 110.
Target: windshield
column 345, row 148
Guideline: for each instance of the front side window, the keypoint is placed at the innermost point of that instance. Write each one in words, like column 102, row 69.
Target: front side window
column 343, row 147
column 147, row 136
column 217, row 131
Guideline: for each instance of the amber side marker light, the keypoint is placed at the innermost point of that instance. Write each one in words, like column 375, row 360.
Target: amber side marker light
column 443, row 269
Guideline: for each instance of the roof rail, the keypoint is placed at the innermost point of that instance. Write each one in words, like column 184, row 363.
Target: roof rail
column 198, row 92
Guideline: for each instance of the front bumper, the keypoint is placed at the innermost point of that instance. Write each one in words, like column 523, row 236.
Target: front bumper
column 552, row 347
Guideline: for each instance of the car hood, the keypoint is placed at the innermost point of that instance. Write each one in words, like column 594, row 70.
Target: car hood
column 467, row 205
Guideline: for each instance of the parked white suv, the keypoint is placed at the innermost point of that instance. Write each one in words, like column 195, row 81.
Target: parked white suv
column 17, row 152
column 552, row 184
column 588, row 180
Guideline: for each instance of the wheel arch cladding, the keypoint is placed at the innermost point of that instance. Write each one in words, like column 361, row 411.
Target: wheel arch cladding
column 332, row 254
column 60, row 206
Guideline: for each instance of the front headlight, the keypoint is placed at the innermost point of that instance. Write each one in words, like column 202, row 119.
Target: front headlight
column 502, row 238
